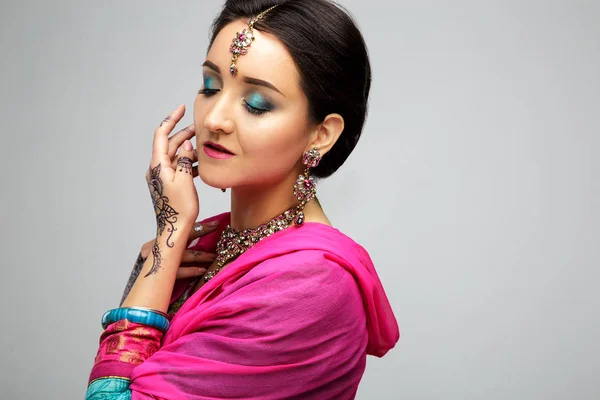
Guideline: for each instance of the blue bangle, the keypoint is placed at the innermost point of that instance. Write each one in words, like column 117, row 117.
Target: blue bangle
column 138, row 315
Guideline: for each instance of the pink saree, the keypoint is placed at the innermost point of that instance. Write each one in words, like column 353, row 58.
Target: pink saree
column 293, row 317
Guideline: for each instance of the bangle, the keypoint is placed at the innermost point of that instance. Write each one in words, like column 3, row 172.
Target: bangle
column 138, row 315
column 167, row 316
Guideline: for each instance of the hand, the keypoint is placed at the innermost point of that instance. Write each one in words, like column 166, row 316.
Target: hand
column 170, row 177
column 194, row 261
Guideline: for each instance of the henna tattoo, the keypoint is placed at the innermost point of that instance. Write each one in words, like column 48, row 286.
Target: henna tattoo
column 157, row 259
column 185, row 164
column 135, row 272
column 165, row 214
column 168, row 118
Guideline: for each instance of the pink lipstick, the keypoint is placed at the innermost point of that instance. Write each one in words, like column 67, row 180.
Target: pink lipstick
column 215, row 150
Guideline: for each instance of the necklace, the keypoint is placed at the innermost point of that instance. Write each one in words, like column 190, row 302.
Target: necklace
column 233, row 243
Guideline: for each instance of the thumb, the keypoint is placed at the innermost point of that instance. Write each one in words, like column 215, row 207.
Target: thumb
column 185, row 161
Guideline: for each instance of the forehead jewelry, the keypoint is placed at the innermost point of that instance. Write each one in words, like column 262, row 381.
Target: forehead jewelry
column 243, row 40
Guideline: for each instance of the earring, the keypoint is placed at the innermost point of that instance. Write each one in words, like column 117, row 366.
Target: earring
column 305, row 188
column 223, row 190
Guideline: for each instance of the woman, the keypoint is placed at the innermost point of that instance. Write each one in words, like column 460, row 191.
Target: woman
column 289, row 306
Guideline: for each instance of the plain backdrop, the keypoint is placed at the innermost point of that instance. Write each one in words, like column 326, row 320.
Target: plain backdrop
column 472, row 186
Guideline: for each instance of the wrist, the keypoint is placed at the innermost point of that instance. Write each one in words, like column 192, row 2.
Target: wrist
column 174, row 235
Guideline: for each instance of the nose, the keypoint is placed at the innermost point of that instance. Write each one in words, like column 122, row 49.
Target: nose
column 218, row 118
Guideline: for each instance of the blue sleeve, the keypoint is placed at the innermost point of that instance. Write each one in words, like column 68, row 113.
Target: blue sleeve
column 108, row 389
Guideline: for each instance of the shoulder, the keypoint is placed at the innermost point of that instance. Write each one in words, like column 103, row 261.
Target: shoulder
column 308, row 284
column 308, row 267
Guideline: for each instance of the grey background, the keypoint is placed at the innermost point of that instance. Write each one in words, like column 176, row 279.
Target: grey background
column 471, row 187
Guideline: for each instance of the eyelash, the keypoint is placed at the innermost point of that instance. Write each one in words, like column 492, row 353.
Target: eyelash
column 253, row 110
column 249, row 108
column 208, row 92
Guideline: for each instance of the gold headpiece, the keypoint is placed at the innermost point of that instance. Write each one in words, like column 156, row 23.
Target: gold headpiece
column 243, row 40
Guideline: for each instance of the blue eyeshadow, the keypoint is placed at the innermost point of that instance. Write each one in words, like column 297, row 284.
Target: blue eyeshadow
column 208, row 82
column 257, row 101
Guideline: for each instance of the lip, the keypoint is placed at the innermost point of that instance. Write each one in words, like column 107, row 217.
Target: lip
column 218, row 147
column 215, row 150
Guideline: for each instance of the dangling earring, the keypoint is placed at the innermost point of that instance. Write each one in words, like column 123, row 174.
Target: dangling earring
column 305, row 188
column 223, row 190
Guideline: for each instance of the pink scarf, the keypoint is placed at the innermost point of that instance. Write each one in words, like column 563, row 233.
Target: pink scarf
column 294, row 316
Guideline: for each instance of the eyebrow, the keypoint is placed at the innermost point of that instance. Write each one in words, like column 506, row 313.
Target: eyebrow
column 247, row 79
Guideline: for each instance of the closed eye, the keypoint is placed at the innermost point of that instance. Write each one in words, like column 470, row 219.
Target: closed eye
column 208, row 92
column 253, row 110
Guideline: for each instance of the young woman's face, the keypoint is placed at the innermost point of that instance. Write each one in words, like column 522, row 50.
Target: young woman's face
column 260, row 115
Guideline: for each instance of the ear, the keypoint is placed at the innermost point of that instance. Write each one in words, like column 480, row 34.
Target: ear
column 328, row 133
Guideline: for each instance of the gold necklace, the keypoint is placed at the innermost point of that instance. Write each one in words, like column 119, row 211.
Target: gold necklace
column 233, row 243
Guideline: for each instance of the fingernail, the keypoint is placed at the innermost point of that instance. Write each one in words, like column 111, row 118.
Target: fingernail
column 187, row 145
column 180, row 106
column 201, row 270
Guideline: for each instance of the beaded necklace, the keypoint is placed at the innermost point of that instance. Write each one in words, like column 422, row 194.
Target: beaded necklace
column 233, row 243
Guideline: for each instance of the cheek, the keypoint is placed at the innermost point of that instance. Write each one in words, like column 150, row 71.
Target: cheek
column 277, row 142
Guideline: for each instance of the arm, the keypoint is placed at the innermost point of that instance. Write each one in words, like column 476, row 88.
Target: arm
column 154, row 285
column 170, row 180
column 124, row 345
column 135, row 272
column 195, row 259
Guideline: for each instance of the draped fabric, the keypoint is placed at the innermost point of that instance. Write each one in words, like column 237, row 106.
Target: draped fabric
column 292, row 317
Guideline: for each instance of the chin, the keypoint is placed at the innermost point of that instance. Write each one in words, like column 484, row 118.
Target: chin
column 212, row 178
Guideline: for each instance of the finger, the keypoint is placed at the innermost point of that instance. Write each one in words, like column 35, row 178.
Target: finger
column 184, row 162
column 197, row 256
column 201, row 229
column 194, row 158
column 160, row 146
column 177, row 139
column 189, row 272
column 194, row 168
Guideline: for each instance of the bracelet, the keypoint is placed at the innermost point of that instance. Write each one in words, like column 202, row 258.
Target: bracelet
column 138, row 315
column 167, row 316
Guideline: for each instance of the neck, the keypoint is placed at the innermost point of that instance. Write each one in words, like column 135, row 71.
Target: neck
column 254, row 205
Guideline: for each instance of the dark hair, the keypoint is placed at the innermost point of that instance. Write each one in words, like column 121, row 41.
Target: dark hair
column 331, row 57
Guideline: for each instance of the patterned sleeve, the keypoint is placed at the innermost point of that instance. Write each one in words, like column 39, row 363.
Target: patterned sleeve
column 123, row 346
column 109, row 389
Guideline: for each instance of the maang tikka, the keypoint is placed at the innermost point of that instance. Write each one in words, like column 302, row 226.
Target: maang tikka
column 243, row 40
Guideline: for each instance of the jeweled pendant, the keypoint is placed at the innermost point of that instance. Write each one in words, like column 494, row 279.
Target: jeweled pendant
column 299, row 220
column 305, row 188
